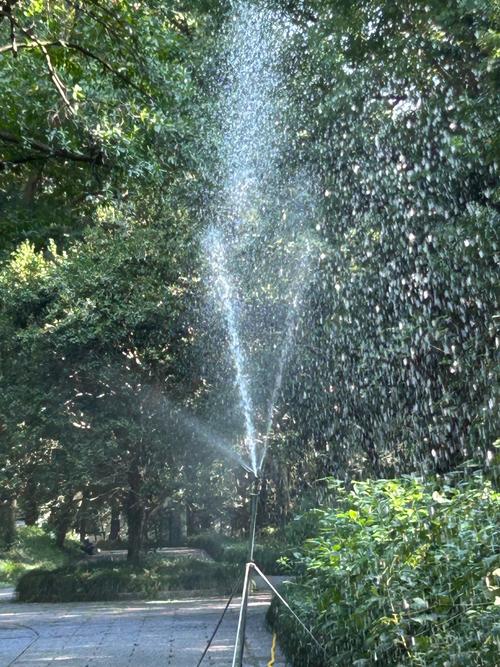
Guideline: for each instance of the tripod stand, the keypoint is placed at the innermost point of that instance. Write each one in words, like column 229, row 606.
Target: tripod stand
column 240, row 634
column 239, row 646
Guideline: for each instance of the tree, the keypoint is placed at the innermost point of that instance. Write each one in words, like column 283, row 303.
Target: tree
column 393, row 369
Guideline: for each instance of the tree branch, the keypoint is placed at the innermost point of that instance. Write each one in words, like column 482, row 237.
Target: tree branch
column 23, row 160
column 6, row 7
column 49, row 151
column 59, row 43
column 59, row 86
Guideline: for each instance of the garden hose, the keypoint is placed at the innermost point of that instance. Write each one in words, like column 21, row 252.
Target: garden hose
column 273, row 652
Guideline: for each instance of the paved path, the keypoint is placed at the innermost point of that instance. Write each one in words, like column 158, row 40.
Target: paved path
column 151, row 633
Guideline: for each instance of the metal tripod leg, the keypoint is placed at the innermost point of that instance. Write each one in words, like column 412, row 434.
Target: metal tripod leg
column 239, row 647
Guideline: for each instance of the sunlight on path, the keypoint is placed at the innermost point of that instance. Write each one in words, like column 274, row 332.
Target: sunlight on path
column 129, row 634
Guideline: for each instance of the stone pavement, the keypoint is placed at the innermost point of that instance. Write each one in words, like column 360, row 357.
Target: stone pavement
column 130, row 634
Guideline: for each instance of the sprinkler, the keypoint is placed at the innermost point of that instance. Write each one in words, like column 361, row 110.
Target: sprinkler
column 239, row 646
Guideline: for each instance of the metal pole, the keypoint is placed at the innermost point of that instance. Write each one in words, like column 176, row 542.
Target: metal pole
column 239, row 646
column 253, row 518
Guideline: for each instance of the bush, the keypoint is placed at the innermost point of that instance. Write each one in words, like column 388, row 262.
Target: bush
column 33, row 548
column 68, row 584
column 110, row 580
column 230, row 550
column 193, row 574
column 401, row 572
column 212, row 543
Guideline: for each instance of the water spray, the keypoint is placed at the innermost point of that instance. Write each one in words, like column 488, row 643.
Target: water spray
column 244, row 244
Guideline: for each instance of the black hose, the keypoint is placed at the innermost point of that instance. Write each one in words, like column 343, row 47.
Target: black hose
column 209, row 643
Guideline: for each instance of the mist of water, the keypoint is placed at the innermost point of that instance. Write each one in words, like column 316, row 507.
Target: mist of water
column 256, row 248
column 229, row 302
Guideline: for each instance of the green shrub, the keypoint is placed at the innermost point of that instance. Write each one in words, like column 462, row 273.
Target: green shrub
column 265, row 555
column 224, row 549
column 111, row 545
column 66, row 584
column 11, row 570
column 401, row 572
column 33, row 548
column 106, row 580
column 212, row 543
column 193, row 574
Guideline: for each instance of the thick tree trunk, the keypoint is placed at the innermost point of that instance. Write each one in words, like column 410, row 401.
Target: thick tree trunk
column 61, row 518
column 178, row 527
column 7, row 522
column 82, row 518
column 190, row 521
column 135, row 515
column 114, row 530
column 31, row 186
column 82, row 529
column 30, row 504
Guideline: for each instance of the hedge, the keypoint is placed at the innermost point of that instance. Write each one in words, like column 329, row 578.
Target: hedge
column 111, row 580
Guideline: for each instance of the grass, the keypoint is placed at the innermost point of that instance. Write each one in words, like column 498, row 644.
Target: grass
column 33, row 548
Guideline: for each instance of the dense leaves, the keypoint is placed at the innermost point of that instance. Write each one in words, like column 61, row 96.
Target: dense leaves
column 399, row 572
column 396, row 365
column 382, row 152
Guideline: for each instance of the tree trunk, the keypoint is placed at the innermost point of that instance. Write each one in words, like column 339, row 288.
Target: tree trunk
column 30, row 504
column 61, row 518
column 135, row 515
column 263, row 516
column 7, row 522
column 30, row 188
column 82, row 518
column 62, row 527
column 178, row 527
column 82, row 528
column 372, row 455
column 114, row 530
column 190, row 521
column 282, row 493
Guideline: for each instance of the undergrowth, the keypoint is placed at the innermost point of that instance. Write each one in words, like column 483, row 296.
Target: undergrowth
column 106, row 580
column 267, row 554
column 33, row 548
column 399, row 572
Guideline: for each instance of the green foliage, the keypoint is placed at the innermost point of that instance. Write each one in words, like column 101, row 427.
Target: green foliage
column 191, row 574
column 213, row 543
column 395, row 359
column 98, row 107
column 267, row 554
column 33, row 548
column 400, row 572
column 97, row 247
column 106, row 160
column 68, row 584
column 111, row 580
column 80, row 328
